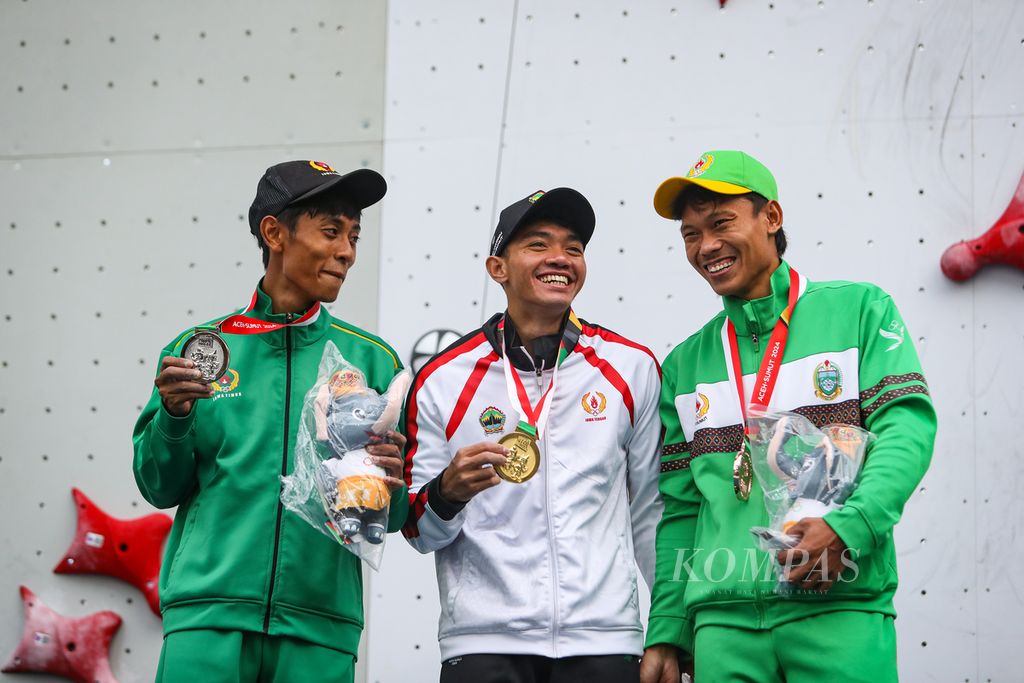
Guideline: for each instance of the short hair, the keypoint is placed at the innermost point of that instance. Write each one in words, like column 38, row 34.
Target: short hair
column 313, row 207
column 701, row 195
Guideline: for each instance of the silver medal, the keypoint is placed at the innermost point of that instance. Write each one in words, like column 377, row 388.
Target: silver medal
column 208, row 351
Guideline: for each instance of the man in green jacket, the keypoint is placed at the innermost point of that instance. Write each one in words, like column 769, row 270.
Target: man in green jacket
column 835, row 352
column 249, row 591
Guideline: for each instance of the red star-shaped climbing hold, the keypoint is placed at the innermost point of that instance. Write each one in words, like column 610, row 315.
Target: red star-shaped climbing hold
column 55, row 644
column 129, row 550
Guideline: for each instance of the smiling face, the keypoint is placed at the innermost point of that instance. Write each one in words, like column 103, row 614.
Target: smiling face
column 311, row 262
column 731, row 244
column 541, row 270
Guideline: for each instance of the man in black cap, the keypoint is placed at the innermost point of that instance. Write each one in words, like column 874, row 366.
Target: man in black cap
column 532, row 466
column 248, row 592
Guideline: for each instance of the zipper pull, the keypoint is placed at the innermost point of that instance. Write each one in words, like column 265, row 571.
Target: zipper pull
column 753, row 335
column 540, row 374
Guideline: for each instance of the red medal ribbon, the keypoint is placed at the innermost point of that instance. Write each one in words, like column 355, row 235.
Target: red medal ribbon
column 535, row 415
column 532, row 412
column 243, row 324
column 764, row 381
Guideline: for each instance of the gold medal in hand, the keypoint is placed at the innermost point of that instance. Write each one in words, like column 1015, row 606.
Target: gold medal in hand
column 523, row 457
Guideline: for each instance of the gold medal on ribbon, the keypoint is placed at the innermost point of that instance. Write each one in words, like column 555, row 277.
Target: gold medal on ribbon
column 523, row 457
column 742, row 473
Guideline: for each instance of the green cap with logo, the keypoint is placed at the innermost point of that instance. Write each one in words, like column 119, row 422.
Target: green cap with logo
column 721, row 171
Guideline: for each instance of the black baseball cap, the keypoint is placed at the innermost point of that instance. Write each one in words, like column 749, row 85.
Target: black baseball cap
column 562, row 205
column 290, row 182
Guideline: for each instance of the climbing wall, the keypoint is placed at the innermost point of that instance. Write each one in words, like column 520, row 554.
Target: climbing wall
column 893, row 128
column 132, row 136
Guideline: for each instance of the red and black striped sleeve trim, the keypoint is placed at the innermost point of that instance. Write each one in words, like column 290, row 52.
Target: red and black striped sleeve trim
column 609, row 336
column 468, row 392
column 418, row 499
column 613, row 377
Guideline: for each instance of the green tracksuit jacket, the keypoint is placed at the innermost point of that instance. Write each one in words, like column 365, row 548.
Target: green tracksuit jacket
column 235, row 558
column 709, row 570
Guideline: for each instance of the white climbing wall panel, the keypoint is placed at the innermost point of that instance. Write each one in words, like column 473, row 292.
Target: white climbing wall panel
column 894, row 129
column 132, row 135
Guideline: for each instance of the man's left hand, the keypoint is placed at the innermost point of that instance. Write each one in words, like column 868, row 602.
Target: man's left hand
column 388, row 455
column 816, row 561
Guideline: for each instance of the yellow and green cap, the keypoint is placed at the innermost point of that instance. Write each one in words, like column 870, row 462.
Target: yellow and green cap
column 721, row 171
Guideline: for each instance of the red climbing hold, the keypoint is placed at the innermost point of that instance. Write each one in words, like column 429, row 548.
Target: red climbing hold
column 74, row 648
column 1003, row 243
column 129, row 550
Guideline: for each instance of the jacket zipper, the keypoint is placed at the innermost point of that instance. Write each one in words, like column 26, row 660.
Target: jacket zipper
column 554, row 553
column 284, row 467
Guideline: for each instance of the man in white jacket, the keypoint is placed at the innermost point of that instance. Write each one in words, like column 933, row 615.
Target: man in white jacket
column 532, row 466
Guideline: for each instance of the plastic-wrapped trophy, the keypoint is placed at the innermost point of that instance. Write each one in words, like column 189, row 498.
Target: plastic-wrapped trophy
column 804, row 471
column 336, row 486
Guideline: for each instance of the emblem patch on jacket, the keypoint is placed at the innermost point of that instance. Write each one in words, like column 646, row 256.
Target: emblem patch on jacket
column 594, row 403
column 702, row 407
column 226, row 385
column 492, row 420
column 828, row 381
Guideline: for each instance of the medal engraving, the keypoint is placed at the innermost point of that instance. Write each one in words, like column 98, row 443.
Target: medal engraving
column 208, row 351
column 523, row 457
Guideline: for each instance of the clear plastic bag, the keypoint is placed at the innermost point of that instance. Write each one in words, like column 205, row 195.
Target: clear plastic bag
column 335, row 486
column 804, row 471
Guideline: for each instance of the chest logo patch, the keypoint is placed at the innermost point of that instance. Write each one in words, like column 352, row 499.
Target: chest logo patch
column 226, row 386
column 828, row 381
column 594, row 403
column 703, row 404
column 228, row 382
column 492, row 420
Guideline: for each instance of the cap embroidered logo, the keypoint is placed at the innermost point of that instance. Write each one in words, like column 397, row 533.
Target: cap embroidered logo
column 701, row 166
column 322, row 167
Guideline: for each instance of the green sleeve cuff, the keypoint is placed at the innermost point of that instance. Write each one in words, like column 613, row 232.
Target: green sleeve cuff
column 850, row 525
column 677, row 631
column 398, row 511
column 174, row 428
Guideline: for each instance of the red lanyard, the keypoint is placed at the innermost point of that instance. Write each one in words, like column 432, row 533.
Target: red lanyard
column 536, row 416
column 764, row 381
column 243, row 324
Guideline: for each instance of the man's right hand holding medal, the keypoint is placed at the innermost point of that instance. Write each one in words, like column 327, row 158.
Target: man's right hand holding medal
column 472, row 471
column 179, row 385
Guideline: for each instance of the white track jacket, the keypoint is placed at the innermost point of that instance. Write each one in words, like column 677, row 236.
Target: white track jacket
column 545, row 567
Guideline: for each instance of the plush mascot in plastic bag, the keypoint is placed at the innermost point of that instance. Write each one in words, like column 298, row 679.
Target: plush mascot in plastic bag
column 336, row 486
column 804, row 471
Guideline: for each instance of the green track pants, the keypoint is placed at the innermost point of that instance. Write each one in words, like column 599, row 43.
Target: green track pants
column 838, row 646
column 214, row 656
